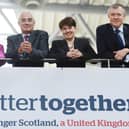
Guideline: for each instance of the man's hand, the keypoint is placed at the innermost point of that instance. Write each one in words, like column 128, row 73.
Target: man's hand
column 25, row 47
column 120, row 54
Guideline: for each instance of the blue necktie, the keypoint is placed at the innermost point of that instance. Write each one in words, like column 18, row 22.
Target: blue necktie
column 119, row 39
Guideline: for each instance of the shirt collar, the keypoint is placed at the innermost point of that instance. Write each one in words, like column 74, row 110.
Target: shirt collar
column 25, row 35
column 120, row 28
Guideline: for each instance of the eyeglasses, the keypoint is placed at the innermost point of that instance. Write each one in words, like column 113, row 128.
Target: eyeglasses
column 24, row 20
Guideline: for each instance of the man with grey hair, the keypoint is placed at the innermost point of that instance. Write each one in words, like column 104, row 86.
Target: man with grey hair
column 28, row 47
column 113, row 37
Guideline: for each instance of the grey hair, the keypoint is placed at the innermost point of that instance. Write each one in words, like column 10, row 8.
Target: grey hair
column 115, row 6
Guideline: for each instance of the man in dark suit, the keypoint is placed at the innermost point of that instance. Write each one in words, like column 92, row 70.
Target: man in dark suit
column 29, row 47
column 71, row 51
column 113, row 37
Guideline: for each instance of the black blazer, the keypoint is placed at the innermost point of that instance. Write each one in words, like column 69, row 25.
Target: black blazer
column 39, row 40
column 107, row 41
column 60, row 48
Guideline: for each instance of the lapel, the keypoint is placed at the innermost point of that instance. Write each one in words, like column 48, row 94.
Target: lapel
column 126, row 35
column 112, row 37
column 65, row 45
column 76, row 43
column 19, row 39
column 111, row 33
column 32, row 37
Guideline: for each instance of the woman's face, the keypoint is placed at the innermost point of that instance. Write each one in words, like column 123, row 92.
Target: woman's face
column 68, row 32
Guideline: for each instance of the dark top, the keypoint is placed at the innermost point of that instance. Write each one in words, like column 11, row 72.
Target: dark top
column 39, row 40
column 60, row 48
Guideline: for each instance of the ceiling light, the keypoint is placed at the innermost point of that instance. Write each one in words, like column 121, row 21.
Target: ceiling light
column 32, row 4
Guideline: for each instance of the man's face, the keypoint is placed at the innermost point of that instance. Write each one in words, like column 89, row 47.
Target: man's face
column 26, row 22
column 116, row 16
column 68, row 32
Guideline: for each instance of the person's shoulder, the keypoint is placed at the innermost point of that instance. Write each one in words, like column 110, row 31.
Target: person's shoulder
column 103, row 26
column 126, row 25
column 82, row 39
column 58, row 41
column 43, row 32
column 15, row 36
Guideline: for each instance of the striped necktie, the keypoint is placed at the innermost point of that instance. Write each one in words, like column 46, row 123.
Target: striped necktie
column 119, row 39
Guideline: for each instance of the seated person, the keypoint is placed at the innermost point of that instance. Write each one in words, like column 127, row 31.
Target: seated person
column 29, row 47
column 113, row 38
column 2, row 55
column 71, row 51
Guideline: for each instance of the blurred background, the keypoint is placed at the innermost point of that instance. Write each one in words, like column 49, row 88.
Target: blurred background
column 47, row 13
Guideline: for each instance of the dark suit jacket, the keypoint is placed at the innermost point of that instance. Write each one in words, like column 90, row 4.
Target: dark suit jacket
column 60, row 48
column 107, row 41
column 39, row 40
